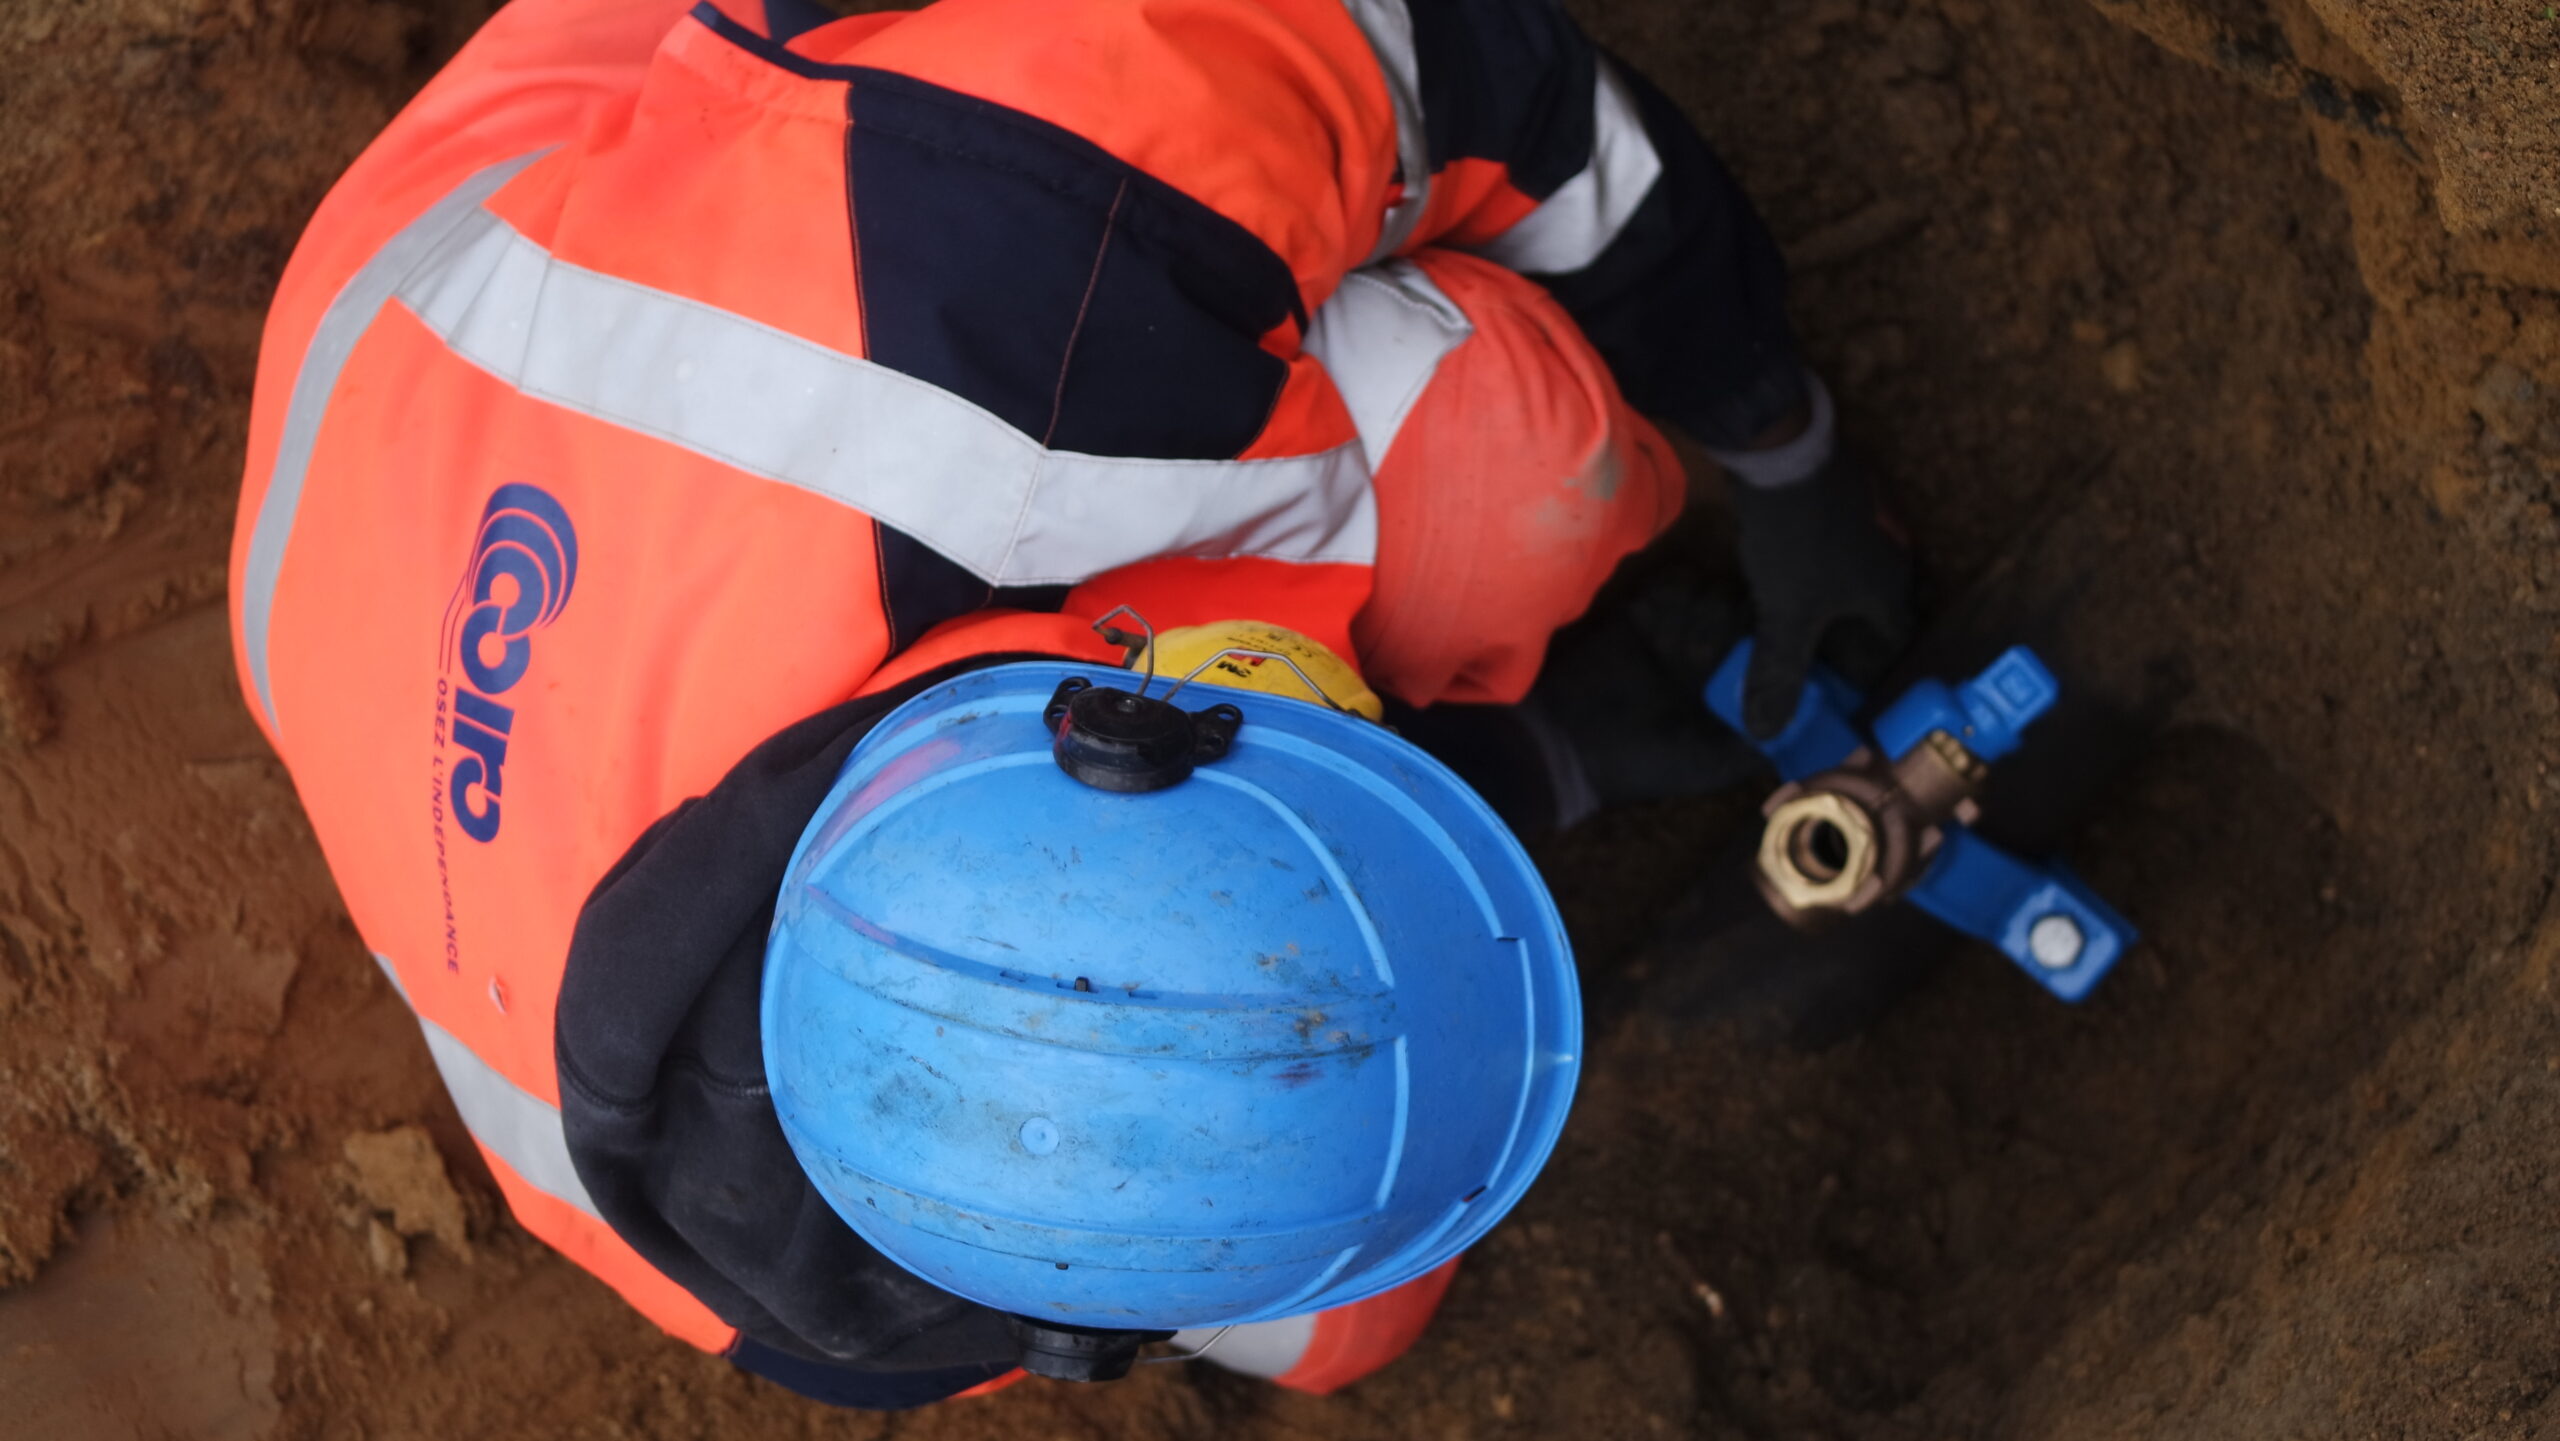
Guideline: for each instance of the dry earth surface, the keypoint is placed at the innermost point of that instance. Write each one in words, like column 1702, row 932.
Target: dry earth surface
column 2237, row 324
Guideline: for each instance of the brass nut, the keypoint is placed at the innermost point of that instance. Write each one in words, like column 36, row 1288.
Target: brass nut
column 1951, row 753
column 1938, row 777
column 1786, row 863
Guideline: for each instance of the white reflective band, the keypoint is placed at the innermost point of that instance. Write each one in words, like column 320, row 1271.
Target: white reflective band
column 1260, row 1348
column 917, row 457
column 1788, row 462
column 519, row 1127
column 1389, row 27
column 1382, row 337
column 344, row 323
column 1570, row 228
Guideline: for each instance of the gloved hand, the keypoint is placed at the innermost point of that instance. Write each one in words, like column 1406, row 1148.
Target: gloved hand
column 1826, row 578
column 1617, row 714
column 1625, row 686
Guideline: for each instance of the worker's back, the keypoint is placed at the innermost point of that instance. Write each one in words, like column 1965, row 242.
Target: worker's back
column 659, row 381
column 577, row 432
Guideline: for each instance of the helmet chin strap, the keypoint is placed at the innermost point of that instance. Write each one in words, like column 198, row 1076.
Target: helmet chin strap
column 1078, row 1353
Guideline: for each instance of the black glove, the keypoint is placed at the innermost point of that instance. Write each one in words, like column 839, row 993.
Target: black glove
column 1618, row 713
column 1826, row 577
column 1627, row 684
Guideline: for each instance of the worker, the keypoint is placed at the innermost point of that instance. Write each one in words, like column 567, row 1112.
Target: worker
column 731, row 493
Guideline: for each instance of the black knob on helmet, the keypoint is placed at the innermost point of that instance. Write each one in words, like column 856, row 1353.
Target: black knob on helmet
column 1078, row 1353
column 1117, row 740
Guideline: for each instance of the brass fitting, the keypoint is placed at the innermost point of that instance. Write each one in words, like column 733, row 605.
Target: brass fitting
column 1818, row 853
column 1862, row 833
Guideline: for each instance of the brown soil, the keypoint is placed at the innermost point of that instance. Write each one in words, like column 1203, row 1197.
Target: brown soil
column 2241, row 323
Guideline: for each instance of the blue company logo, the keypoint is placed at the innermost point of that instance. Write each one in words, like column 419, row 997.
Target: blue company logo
column 523, row 562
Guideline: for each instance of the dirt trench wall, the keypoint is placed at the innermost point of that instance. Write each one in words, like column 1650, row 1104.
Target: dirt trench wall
column 2240, row 324
column 2393, row 1277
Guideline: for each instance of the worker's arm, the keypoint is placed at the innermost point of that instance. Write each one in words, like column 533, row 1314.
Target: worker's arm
column 1568, row 166
column 1271, row 114
column 1336, row 132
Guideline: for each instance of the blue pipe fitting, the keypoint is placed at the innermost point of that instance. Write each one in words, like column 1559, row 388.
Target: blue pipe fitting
column 1819, row 735
column 2042, row 917
column 1988, row 714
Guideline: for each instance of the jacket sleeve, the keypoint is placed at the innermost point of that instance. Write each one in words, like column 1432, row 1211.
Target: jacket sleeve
column 1107, row 224
column 1555, row 160
column 1340, row 132
column 1269, row 113
column 662, row 1083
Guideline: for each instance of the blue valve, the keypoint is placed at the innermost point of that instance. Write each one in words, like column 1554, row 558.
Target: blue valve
column 1819, row 735
column 1988, row 714
column 2041, row 916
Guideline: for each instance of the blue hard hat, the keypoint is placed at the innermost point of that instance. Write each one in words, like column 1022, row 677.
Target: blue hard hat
column 1272, row 1039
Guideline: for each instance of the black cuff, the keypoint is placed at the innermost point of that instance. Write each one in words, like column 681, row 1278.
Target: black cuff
column 1732, row 419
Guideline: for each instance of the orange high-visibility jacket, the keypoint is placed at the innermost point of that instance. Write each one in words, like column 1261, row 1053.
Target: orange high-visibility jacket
column 661, row 377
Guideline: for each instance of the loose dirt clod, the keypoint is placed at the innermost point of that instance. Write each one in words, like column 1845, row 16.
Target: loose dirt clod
column 384, row 1248
column 399, row 1173
column 26, row 712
